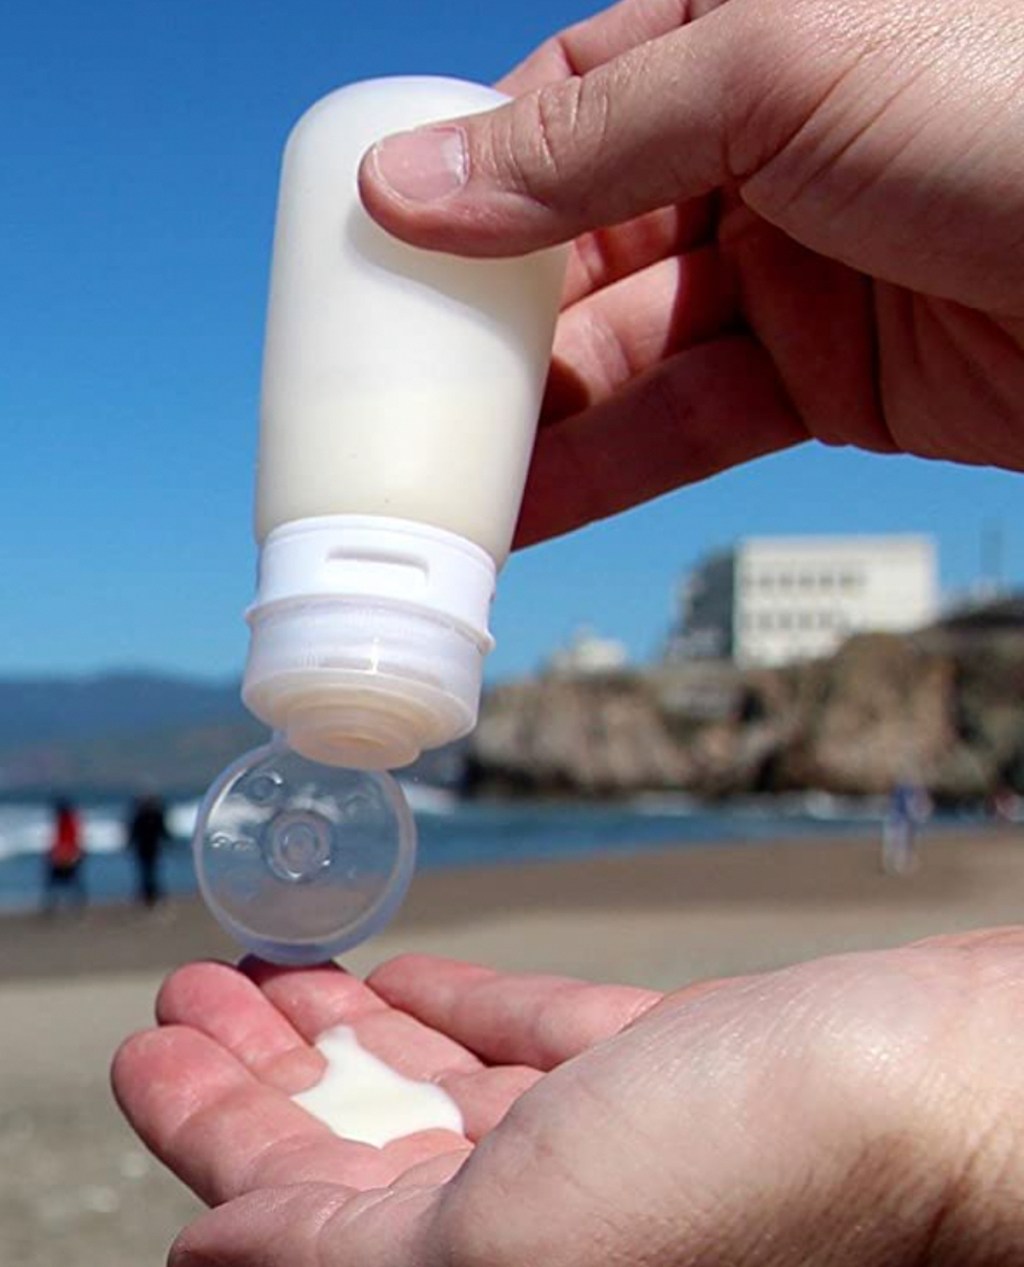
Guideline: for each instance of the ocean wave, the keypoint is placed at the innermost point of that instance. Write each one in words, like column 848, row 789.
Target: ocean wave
column 27, row 828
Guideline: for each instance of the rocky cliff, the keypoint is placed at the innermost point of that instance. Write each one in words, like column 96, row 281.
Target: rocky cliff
column 944, row 708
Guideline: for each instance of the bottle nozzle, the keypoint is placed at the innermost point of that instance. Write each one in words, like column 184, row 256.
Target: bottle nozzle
column 365, row 738
column 368, row 638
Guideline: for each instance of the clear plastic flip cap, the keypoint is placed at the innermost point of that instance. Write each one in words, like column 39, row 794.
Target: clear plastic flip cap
column 300, row 861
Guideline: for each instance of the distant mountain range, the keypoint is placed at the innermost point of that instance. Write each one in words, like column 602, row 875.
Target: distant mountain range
column 61, row 710
column 117, row 733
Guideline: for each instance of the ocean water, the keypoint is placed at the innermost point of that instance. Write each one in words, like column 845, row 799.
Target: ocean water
column 451, row 833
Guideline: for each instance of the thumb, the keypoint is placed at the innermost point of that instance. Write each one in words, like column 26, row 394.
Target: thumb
column 651, row 127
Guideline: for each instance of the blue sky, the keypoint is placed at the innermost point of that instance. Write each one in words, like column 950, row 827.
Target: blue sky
column 139, row 142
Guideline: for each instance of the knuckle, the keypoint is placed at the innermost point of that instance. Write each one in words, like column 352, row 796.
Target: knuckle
column 562, row 1021
column 549, row 137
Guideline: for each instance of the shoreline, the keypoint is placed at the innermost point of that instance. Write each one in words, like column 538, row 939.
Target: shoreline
column 804, row 895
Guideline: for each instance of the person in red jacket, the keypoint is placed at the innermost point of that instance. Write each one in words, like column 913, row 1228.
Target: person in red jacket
column 65, row 856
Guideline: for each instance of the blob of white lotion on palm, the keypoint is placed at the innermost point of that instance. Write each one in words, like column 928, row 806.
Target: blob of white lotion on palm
column 361, row 1098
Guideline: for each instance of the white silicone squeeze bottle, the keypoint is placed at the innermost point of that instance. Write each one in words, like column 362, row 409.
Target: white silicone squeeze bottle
column 401, row 390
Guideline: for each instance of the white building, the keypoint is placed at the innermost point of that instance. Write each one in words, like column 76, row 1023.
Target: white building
column 771, row 600
column 588, row 654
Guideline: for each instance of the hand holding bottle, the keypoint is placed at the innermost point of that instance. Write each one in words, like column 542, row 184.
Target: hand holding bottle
column 791, row 221
column 857, row 1109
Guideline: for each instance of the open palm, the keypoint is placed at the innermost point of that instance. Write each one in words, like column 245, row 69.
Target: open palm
column 209, row 1090
column 855, row 1110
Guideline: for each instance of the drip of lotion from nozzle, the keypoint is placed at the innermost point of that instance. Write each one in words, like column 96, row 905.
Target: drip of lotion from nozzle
column 361, row 1098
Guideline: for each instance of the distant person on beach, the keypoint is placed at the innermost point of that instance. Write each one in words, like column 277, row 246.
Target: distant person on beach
column 792, row 219
column 147, row 832
column 1005, row 805
column 65, row 858
column 909, row 807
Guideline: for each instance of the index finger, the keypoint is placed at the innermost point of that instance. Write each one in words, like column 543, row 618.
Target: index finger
column 596, row 40
column 703, row 410
column 527, row 1018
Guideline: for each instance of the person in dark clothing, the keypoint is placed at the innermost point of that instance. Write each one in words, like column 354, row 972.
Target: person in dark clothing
column 147, row 832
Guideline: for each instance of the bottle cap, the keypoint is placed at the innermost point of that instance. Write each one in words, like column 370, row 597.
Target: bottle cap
column 368, row 636
column 300, row 861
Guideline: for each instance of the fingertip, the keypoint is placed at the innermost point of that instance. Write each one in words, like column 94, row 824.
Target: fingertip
column 470, row 213
column 409, row 961
column 412, row 220
column 126, row 1059
column 143, row 1062
column 425, row 165
column 180, row 988
column 267, row 1227
column 393, row 977
column 227, row 1234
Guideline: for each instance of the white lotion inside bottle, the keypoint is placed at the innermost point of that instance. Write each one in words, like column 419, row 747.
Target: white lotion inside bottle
column 401, row 391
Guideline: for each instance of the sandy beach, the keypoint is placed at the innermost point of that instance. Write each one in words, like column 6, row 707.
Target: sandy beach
column 75, row 1187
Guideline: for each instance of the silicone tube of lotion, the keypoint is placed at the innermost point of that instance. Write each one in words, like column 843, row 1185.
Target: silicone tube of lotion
column 400, row 396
